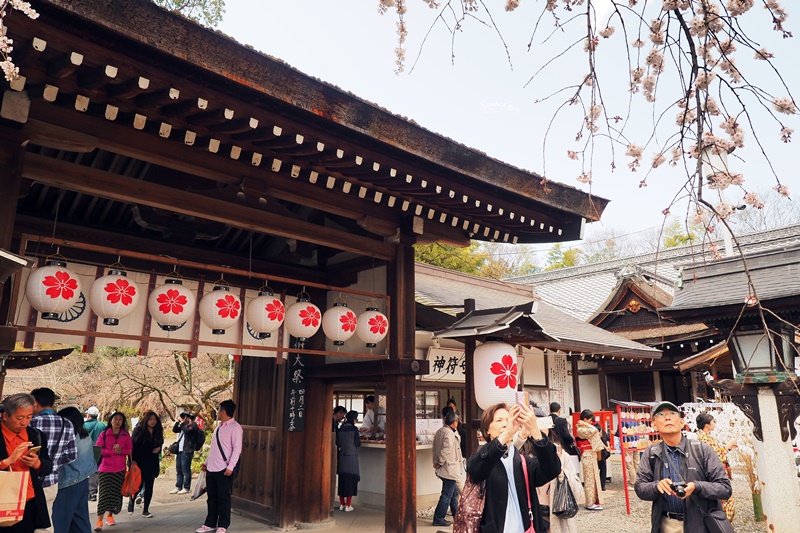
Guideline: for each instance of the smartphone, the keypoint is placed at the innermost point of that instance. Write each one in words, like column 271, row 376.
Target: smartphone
column 34, row 450
column 522, row 398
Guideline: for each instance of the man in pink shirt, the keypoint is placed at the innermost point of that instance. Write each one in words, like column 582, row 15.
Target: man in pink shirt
column 220, row 468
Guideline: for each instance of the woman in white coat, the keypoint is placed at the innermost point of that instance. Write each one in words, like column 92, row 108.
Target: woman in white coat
column 570, row 473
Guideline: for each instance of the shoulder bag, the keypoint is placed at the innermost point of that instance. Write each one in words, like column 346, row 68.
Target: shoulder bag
column 235, row 471
column 528, row 493
column 470, row 508
column 132, row 481
column 716, row 521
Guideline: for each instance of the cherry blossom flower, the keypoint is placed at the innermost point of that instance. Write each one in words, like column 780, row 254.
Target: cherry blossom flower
column 751, row 198
column 572, row 155
column 120, row 291
column 378, row 325
column 171, row 301
column 60, row 285
column 750, row 300
column 310, row 316
column 348, row 321
column 783, row 190
column 506, row 372
column 607, row 32
column 658, row 160
column 763, row 55
column 786, row 134
column 586, row 177
column 275, row 310
column 784, row 105
column 228, row 306
column 511, row 5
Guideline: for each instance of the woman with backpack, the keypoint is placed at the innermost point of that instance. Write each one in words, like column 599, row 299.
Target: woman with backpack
column 115, row 446
column 148, row 438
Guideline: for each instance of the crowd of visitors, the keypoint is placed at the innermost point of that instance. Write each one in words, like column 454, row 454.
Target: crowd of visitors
column 73, row 458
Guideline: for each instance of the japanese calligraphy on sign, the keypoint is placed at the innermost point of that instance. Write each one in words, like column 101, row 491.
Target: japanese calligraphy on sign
column 446, row 364
column 295, row 407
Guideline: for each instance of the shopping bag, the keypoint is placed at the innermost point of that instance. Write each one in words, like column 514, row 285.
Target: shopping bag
column 564, row 504
column 132, row 481
column 199, row 486
column 13, row 496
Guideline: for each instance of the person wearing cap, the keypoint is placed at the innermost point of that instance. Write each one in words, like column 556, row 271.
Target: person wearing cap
column 683, row 478
column 187, row 445
column 95, row 427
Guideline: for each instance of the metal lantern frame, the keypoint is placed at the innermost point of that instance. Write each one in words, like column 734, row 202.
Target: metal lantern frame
column 761, row 355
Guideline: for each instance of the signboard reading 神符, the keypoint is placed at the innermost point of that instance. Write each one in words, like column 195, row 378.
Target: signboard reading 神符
column 446, row 364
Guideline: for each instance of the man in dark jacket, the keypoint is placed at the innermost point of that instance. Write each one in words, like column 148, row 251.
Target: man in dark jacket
column 187, row 445
column 18, row 438
column 683, row 478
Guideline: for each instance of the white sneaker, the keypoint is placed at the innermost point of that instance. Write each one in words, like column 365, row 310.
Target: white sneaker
column 595, row 508
column 348, row 508
column 174, row 491
column 182, row 491
column 341, row 507
column 205, row 529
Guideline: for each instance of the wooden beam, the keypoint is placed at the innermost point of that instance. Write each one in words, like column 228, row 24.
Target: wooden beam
column 576, row 387
column 377, row 369
column 93, row 181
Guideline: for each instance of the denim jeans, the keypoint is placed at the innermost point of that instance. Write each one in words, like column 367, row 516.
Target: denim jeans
column 449, row 498
column 71, row 508
column 183, row 466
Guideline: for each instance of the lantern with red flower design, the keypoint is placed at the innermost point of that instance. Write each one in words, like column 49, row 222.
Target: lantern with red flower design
column 113, row 296
column 52, row 289
column 496, row 375
column 372, row 326
column 219, row 309
column 339, row 323
column 171, row 304
column 303, row 318
column 265, row 313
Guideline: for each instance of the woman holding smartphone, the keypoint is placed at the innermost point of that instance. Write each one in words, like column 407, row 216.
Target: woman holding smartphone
column 115, row 446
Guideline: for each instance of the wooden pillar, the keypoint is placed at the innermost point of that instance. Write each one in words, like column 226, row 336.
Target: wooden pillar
column 401, row 445
column 11, row 156
column 601, row 376
column 316, row 473
column 470, row 405
column 576, row 388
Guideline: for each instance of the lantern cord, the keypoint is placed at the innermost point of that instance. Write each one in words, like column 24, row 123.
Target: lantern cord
column 55, row 217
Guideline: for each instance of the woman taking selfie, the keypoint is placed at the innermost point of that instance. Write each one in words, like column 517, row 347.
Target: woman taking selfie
column 500, row 465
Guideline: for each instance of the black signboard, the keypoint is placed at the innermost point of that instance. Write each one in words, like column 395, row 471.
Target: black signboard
column 295, row 407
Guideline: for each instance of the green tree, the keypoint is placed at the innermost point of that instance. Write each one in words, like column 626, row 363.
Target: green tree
column 469, row 260
column 560, row 258
column 207, row 12
column 678, row 233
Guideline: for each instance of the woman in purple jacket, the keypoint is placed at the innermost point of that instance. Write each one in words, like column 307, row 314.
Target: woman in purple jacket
column 115, row 446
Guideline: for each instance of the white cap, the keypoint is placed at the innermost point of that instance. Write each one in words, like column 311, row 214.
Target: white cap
column 93, row 411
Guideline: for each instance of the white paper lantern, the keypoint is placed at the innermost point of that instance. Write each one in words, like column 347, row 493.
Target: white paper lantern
column 303, row 319
column 496, row 375
column 219, row 309
column 113, row 297
column 372, row 326
column 339, row 323
column 265, row 314
column 171, row 305
column 52, row 289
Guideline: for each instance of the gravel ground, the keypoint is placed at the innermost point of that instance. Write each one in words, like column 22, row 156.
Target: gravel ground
column 613, row 517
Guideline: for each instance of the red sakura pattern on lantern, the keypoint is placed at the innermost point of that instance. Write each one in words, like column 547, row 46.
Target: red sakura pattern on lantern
column 303, row 319
column 264, row 314
column 506, row 372
column 52, row 289
column 113, row 297
column 496, row 373
column 60, row 285
column 372, row 327
column 120, row 291
column 172, row 301
column 171, row 305
column 228, row 307
column 339, row 323
column 220, row 310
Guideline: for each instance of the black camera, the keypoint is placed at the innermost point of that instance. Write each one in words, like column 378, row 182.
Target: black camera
column 680, row 488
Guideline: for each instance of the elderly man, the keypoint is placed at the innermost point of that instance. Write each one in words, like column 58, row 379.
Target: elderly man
column 675, row 469
column 449, row 465
column 60, row 441
column 18, row 439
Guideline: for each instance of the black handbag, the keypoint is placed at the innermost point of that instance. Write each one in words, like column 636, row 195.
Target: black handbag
column 716, row 521
column 173, row 448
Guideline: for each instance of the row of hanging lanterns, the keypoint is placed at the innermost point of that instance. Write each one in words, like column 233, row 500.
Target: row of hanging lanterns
column 53, row 289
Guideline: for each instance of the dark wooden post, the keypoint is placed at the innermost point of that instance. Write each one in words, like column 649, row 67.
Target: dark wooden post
column 470, row 405
column 401, row 444
column 576, row 389
column 601, row 376
column 11, row 156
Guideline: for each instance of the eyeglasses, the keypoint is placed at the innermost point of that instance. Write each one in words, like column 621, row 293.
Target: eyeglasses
column 662, row 414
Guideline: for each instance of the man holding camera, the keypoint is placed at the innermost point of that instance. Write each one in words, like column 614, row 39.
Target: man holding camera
column 188, row 442
column 683, row 478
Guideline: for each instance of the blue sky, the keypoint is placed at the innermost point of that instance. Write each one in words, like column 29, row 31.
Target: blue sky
column 479, row 98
